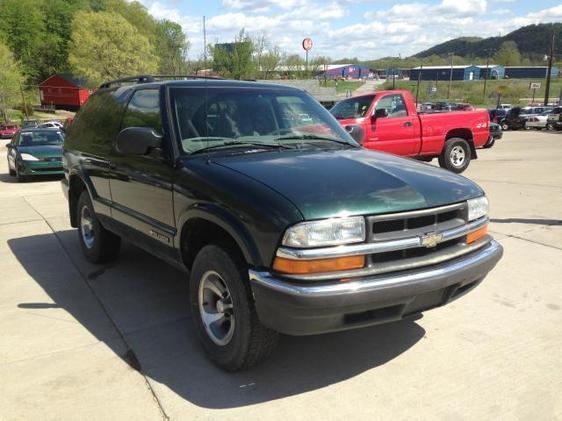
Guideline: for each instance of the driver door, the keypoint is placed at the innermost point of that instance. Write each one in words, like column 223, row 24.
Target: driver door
column 398, row 132
column 141, row 185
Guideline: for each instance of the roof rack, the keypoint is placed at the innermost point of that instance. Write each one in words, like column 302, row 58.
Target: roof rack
column 152, row 78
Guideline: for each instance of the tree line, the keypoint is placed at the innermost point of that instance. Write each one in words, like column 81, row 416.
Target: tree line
column 95, row 39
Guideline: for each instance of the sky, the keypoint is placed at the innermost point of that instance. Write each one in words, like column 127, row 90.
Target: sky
column 366, row 29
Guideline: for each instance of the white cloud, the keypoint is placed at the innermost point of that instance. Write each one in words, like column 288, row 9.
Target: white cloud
column 338, row 30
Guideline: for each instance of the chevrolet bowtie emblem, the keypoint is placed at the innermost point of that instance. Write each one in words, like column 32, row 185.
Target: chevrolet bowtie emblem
column 431, row 240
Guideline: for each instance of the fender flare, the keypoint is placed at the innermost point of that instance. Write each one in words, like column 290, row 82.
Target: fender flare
column 225, row 220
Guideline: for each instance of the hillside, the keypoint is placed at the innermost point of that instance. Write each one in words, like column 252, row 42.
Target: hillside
column 532, row 41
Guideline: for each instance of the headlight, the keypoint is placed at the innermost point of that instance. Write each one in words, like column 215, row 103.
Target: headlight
column 28, row 157
column 477, row 208
column 329, row 232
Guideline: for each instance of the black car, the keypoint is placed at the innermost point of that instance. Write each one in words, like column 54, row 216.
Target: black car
column 513, row 120
column 497, row 114
column 496, row 133
column 281, row 220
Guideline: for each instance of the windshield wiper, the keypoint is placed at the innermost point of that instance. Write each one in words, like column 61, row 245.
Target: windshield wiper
column 310, row 136
column 237, row 143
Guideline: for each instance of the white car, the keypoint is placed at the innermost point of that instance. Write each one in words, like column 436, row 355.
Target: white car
column 51, row 124
column 538, row 121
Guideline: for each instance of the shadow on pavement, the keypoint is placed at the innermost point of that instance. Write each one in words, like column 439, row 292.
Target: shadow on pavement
column 147, row 301
column 534, row 221
column 7, row 178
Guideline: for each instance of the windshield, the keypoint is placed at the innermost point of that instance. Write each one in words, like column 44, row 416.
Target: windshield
column 212, row 118
column 41, row 138
column 352, row 107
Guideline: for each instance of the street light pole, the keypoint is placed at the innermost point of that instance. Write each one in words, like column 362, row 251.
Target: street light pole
column 450, row 76
column 550, row 58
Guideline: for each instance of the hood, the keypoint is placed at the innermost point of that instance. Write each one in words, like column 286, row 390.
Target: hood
column 323, row 184
column 42, row 151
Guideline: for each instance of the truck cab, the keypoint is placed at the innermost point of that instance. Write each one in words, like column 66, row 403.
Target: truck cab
column 388, row 121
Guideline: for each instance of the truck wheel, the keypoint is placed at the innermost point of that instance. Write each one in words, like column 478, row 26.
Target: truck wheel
column 98, row 244
column 455, row 155
column 549, row 126
column 223, row 310
column 505, row 126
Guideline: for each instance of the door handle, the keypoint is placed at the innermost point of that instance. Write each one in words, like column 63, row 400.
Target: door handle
column 408, row 124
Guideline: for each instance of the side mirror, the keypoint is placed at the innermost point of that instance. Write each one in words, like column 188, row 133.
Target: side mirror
column 380, row 113
column 137, row 140
column 356, row 132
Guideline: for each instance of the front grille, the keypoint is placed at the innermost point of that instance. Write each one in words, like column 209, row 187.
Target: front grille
column 415, row 224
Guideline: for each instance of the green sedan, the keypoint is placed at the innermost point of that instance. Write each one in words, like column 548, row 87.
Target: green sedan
column 34, row 152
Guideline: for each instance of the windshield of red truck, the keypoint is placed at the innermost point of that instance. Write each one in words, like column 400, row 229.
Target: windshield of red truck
column 352, row 107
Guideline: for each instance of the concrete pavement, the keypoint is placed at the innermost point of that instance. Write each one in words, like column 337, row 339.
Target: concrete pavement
column 79, row 341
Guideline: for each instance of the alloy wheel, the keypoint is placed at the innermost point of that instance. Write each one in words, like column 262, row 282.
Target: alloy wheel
column 216, row 308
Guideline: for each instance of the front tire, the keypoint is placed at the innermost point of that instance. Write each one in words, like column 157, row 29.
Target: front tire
column 223, row 310
column 505, row 126
column 550, row 126
column 98, row 244
column 455, row 156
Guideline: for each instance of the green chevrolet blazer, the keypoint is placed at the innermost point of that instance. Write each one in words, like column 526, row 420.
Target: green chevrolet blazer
column 282, row 222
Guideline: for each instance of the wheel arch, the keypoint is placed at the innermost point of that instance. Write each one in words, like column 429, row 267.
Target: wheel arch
column 463, row 133
column 207, row 224
column 76, row 185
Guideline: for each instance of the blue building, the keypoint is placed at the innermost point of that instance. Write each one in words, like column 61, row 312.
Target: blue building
column 530, row 72
column 465, row 72
column 492, row 71
column 345, row 71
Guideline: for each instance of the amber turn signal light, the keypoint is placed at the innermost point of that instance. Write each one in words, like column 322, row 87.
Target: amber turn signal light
column 299, row 267
column 476, row 235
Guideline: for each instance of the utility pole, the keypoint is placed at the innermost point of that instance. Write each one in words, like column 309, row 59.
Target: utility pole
column 549, row 71
column 24, row 103
column 486, row 76
column 418, row 84
column 450, row 76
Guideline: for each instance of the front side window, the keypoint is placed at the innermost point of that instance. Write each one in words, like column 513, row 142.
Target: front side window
column 394, row 105
column 220, row 117
column 352, row 107
column 143, row 110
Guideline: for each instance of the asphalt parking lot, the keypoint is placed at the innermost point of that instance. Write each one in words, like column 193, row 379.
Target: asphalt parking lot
column 79, row 341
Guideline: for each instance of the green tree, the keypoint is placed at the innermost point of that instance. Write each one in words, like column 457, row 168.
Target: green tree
column 235, row 60
column 508, row 54
column 105, row 46
column 22, row 27
column 10, row 80
column 171, row 47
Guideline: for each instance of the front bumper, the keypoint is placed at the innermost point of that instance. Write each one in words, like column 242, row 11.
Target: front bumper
column 300, row 309
column 40, row 168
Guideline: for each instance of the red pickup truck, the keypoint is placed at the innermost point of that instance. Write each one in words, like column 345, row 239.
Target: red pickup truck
column 388, row 121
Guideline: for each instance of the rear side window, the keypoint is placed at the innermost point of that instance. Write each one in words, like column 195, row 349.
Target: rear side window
column 143, row 110
column 96, row 124
column 394, row 105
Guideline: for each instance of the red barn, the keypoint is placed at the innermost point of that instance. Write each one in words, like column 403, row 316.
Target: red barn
column 63, row 91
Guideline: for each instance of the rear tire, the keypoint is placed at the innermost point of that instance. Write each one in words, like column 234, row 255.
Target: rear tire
column 550, row 126
column 98, row 244
column 455, row 156
column 505, row 126
column 219, row 289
